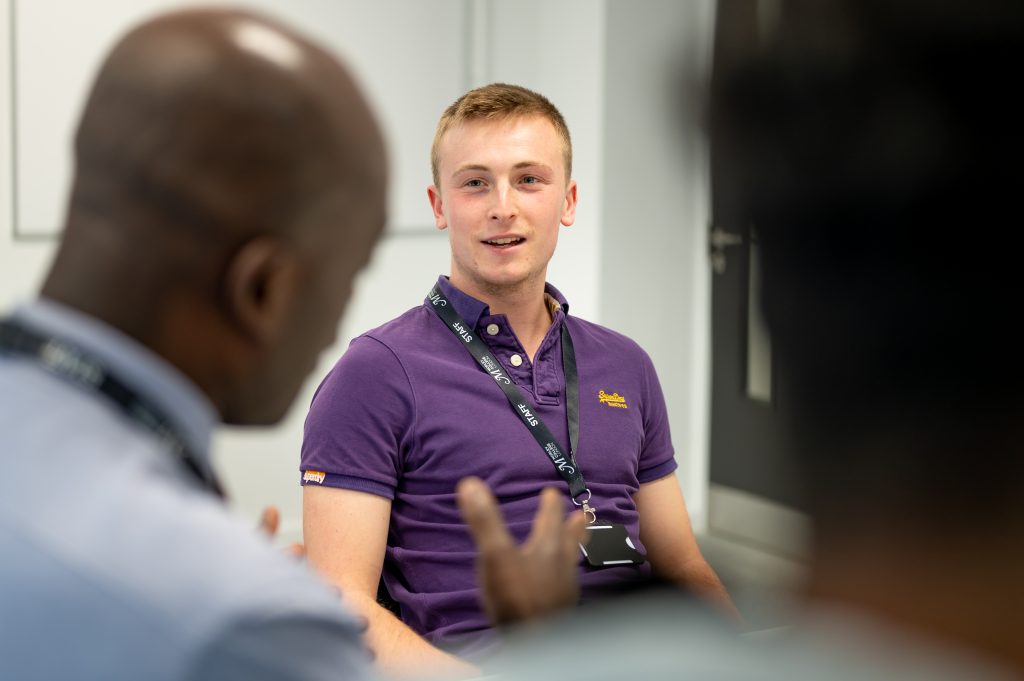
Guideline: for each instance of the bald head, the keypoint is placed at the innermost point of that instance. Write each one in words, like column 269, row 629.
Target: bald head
column 214, row 144
column 221, row 123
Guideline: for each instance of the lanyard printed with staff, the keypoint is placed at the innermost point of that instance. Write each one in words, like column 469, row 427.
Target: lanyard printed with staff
column 564, row 464
column 77, row 367
column 608, row 544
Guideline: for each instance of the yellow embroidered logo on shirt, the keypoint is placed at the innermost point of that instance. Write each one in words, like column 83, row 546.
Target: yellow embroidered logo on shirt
column 314, row 476
column 613, row 400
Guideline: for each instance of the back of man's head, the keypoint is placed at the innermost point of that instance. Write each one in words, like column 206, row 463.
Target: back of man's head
column 229, row 183
column 879, row 144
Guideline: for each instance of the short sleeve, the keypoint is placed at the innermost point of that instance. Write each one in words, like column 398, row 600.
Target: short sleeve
column 360, row 422
column 657, row 456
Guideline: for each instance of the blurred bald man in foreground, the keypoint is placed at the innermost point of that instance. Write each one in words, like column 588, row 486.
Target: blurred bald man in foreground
column 230, row 182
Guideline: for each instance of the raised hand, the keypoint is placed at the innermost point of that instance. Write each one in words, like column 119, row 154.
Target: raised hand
column 527, row 581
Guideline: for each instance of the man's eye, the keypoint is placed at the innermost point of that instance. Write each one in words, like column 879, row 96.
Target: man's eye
column 474, row 183
column 531, row 179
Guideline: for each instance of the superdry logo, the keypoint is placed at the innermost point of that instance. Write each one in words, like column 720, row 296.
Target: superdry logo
column 527, row 414
column 613, row 400
column 314, row 476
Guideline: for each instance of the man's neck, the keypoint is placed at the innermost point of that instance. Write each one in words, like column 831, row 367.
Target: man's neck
column 524, row 306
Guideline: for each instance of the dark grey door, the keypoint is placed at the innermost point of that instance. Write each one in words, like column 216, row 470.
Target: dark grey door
column 748, row 445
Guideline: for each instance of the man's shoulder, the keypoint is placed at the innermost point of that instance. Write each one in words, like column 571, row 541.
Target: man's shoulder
column 165, row 572
column 104, row 504
column 404, row 330
column 413, row 332
column 381, row 358
column 117, row 545
column 145, row 536
column 609, row 339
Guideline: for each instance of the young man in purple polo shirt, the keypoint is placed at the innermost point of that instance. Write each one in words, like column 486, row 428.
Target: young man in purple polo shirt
column 407, row 412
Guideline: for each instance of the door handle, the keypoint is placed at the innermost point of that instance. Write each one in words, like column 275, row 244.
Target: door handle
column 719, row 240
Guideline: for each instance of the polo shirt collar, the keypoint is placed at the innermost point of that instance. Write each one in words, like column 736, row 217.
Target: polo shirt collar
column 471, row 310
column 184, row 405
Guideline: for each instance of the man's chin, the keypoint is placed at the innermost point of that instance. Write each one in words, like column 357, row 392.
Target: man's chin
column 507, row 282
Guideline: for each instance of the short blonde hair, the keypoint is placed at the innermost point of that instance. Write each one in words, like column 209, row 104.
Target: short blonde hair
column 499, row 101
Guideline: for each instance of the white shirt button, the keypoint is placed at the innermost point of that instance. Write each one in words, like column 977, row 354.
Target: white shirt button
column 492, row 329
column 516, row 360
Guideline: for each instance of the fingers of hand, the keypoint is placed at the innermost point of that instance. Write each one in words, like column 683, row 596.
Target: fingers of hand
column 480, row 510
column 547, row 523
column 576, row 529
column 269, row 520
column 506, row 593
column 575, row 535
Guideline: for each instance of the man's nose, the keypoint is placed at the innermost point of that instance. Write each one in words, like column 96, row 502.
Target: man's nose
column 503, row 207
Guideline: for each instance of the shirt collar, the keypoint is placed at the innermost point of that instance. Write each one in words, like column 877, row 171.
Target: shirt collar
column 151, row 376
column 471, row 310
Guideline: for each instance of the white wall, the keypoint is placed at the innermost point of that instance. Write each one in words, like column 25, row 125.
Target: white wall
column 556, row 48
column 21, row 265
column 52, row 83
column 655, row 282
column 634, row 260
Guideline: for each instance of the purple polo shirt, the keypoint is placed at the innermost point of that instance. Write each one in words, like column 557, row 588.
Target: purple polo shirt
column 406, row 413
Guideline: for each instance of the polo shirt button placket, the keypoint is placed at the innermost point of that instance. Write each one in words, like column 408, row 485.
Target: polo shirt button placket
column 493, row 329
column 516, row 360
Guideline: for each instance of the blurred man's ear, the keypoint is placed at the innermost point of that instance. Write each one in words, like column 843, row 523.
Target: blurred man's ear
column 260, row 283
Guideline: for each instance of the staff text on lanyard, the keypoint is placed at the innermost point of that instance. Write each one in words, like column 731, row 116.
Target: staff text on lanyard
column 564, row 463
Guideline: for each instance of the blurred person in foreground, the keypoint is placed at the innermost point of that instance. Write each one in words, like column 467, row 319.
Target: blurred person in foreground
column 229, row 184
column 878, row 146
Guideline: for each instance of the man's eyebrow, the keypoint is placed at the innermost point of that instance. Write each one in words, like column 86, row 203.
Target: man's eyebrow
column 469, row 166
column 521, row 164
column 532, row 164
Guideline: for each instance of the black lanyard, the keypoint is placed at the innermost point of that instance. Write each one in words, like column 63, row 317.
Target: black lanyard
column 565, row 465
column 77, row 367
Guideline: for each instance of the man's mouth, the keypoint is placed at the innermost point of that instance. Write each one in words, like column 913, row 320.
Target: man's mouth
column 505, row 243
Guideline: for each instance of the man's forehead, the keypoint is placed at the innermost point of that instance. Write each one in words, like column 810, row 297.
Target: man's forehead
column 501, row 126
column 532, row 135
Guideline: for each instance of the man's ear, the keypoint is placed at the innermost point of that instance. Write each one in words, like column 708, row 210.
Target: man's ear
column 569, row 206
column 260, row 284
column 437, row 205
